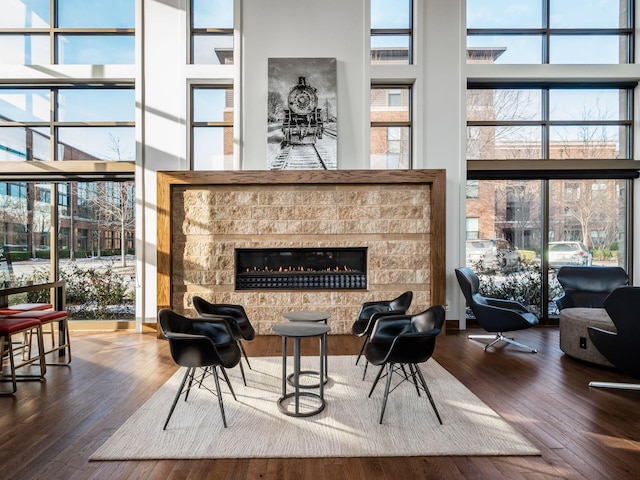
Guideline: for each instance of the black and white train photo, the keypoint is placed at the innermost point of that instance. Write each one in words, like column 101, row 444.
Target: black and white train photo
column 302, row 117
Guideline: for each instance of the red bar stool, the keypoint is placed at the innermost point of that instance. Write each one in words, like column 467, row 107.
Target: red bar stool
column 10, row 326
column 49, row 317
column 28, row 307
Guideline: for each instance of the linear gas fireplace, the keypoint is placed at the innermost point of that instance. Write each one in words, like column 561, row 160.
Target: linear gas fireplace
column 301, row 268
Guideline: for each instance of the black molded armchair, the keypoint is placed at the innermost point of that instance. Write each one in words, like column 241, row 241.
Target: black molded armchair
column 371, row 311
column 494, row 315
column 201, row 344
column 621, row 347
column 237, row 318
column 588, row 286
column 399, row 340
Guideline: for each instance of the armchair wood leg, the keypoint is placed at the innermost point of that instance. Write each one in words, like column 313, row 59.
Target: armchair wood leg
column 175, row 400
column 386, row 390
column 246, row 358
column 242, row 373
column 364, row 374
column 375, row 382
column 191, row 379
column 426, row 389
column 364, row 344
column 412, row 369
column 226, row 379
column 215, row 377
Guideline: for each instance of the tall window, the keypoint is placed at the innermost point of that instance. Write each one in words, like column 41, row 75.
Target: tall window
column 59, row 228
column 558, row 212
column 67, row 32
column 212, row 127
column 550, row 31
column 91, row 215
column 69, row 130
column 391, row 31
column 391, row 125
column 212, row 32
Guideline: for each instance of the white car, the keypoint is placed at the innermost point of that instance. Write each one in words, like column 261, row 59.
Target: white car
column 492, row 255
column 568, row 253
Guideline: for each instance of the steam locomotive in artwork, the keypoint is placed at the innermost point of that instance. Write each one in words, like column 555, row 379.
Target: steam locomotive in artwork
column 302, row 122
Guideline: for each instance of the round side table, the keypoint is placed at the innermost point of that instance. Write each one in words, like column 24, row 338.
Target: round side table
column 298, row 330
column 307, row 316
column 313, row 317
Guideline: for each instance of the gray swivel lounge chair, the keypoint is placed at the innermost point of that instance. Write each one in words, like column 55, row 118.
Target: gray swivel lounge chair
column 588, row 286
column 494, row 315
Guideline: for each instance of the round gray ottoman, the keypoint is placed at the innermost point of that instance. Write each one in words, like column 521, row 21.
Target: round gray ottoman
column 574, row 336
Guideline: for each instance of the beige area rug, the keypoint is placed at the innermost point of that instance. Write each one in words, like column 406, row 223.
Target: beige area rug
column 348, row 426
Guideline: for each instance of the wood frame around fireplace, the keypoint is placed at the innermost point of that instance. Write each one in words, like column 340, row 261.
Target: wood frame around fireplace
column 434, row 179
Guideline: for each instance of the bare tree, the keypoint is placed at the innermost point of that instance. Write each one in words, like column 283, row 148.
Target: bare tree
column 10, row 214
column 113, row 203
column 39, row 216
column 12, row 210
column 504, row 141
column 593, row 206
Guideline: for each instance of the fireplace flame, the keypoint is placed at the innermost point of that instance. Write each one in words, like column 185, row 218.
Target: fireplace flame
column 302, row 269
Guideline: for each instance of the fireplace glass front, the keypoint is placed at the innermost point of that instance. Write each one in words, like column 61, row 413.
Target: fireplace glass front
column 301, row 268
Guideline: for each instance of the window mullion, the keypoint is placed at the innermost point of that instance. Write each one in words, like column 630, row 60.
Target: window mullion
column 53, row 22
column 53, row 155
column 545, row 126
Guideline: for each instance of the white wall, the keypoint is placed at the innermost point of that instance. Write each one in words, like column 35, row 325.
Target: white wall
column 289, row 29
column 305, row 29
column 442, row 94
column 162, row 132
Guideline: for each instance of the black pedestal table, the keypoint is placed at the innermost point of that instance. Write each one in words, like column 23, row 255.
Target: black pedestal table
column 296, row 331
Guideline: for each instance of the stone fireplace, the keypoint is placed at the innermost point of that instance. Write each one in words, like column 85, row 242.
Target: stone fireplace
column 243, row 237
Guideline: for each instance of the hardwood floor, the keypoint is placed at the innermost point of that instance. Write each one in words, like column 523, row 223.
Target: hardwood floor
column 49, row 429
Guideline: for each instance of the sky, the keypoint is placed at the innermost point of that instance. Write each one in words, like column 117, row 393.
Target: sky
column 528, row 13
column 72, row 13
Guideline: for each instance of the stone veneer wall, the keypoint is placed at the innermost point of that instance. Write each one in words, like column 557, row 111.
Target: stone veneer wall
column 210, row 221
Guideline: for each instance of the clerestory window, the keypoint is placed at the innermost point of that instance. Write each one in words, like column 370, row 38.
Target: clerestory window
column 52, row 123
column 92, row 32
column 550, row 31
column 211, row 28
column 392, row 32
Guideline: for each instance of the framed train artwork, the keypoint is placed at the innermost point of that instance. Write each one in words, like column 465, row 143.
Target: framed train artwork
column 302, row 128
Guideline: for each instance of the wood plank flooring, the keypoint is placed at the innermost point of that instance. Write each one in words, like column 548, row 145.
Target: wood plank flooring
column 49, row 429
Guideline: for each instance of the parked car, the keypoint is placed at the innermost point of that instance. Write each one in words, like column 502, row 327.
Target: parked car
column 492, row 255
column 568, row 253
